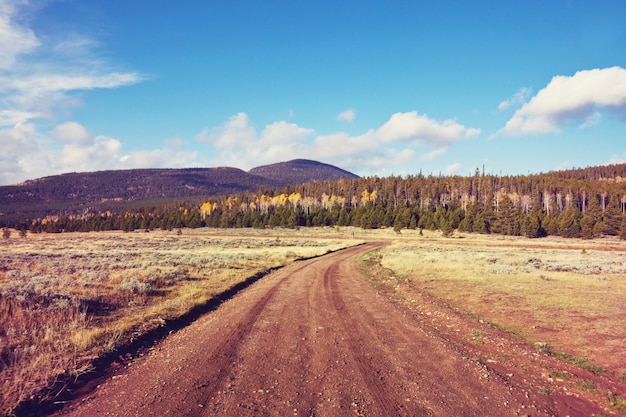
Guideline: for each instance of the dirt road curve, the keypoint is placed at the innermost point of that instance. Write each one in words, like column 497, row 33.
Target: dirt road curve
column 313, row 339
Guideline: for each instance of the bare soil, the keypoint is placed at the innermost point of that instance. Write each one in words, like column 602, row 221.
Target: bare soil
column 317, row 339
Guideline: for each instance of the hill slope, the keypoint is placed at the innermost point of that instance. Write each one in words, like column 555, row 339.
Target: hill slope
column 301, row 171
column 77, row 192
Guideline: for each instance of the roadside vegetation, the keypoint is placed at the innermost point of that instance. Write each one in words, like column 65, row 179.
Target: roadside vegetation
column 568, row 294
column 560, row 297
column 67, row 299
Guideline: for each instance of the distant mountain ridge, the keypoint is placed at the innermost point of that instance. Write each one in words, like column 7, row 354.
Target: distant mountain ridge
column 75, row 192
column 301, row 171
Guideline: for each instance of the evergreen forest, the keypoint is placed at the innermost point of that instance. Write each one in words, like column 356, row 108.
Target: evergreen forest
column 579, row 203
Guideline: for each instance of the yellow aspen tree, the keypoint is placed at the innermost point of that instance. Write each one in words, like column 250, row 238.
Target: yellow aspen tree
column 365, row 197
column 325, row 201
column 294, row 199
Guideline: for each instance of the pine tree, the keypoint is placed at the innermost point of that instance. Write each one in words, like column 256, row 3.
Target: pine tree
column 531, row 224
column 507, row 218
column 612, row 220
column 586, row 227
column 480, row 225
column 569, row 222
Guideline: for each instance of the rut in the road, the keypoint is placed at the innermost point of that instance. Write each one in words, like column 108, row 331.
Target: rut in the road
column 227, row 351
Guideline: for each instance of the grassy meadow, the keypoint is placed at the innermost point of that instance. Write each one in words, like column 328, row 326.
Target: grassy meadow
column 66, row 299
column 568, row 295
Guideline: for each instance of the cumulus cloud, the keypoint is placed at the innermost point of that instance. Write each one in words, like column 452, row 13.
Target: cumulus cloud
column 573, row 99
column 237, row 130
column 239, row 144
column 420, row 129
column 90, row 154
column 348, row 115
column 70, row 147
column 20, row 138
column 281, row 133
column 72, row 132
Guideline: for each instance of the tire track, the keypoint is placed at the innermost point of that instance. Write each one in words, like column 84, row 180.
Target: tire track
column 369, row 363
column 223, row 357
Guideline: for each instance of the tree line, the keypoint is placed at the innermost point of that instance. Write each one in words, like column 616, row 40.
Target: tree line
column 582, row 203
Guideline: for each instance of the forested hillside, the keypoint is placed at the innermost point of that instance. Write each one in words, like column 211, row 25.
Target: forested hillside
column 300, row 171
column 78, row 193
column 582, row 203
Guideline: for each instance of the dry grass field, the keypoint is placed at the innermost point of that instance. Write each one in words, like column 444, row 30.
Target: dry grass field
column 566, row 296
column 66, row 299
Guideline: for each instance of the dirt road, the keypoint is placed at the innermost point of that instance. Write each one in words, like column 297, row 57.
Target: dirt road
column 315, row 339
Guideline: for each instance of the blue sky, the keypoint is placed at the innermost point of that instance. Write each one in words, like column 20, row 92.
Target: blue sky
column 377, row 88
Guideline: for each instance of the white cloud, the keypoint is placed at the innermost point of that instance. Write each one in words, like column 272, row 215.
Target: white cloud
column 159, row 158
column 14, row 117
column 385, row 160
column 564, row 166
column 348, row 115
column 571, row 99
column 72, row 132
column 20, row 138
column 617, row 159
column 45, row 83
column 237, row 130
column 90, row 154
column 15, row 39
column 238, row 143
column 281, row 132
column 519, row 98
column 70, row 147
column 420, row 129
column 453, row 169
column 434, row 154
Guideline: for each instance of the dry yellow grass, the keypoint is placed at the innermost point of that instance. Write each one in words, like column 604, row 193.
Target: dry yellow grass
column 570, row 294
column 68, row 298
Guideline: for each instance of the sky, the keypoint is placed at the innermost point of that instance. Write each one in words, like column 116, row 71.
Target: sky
column 377, row 88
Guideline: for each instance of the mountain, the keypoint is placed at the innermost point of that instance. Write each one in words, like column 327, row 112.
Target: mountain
column 301, row 171
column 77, row 192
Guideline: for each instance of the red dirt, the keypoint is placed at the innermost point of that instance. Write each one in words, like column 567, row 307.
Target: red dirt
column 316, row 339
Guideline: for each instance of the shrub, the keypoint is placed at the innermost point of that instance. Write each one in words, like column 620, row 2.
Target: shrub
column 134, row 286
